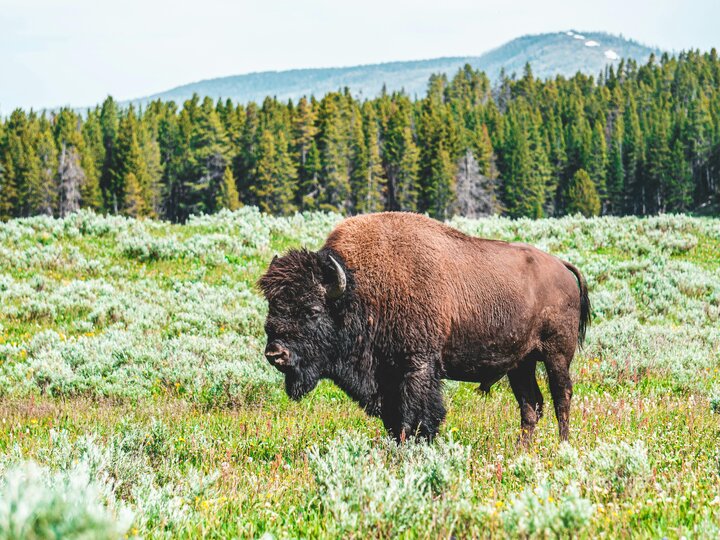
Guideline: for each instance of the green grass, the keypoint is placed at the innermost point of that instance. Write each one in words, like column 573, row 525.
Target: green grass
column 266, row 486
column 159, row 362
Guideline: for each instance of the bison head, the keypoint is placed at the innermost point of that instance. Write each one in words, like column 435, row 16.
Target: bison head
column 304, row 291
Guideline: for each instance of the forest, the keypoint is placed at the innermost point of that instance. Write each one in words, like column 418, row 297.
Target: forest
column 635, row 140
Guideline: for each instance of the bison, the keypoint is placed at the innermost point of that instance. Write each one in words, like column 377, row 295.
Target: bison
column 395, row 302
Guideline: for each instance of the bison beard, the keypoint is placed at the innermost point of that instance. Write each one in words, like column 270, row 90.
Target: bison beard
column 298, row 382
column 394, row 303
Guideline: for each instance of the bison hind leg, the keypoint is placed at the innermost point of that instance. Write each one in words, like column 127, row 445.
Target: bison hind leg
column 561, row 388
column 529, row 398
column 557, row 352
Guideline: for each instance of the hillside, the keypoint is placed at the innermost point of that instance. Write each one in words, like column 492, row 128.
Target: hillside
column 559, row 53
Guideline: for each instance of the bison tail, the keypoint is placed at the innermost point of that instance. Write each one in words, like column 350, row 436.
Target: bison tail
column 584, row 303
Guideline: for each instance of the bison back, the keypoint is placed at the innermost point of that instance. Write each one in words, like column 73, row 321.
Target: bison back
column 427, row 286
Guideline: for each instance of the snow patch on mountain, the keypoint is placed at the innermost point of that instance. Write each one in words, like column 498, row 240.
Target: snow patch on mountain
column 579, row 36
column 592, row 43
column 611, row 55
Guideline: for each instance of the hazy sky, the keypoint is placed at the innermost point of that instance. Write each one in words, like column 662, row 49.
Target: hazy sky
column 75, row 52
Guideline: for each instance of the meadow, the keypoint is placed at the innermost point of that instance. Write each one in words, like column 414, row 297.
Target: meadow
column 135, row 400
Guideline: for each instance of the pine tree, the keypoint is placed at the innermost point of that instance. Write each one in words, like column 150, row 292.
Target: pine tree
column 152, row 187
column 93, row 142
column 209, row 155
column 578, row 136
column 440, row 144
column 374, row 192
column 90, row 192
column 245, row 163
column 109, row 181
column 35, row 195
column 9, row 196
column 401, row 155
column 488, row 198
column 679, row 186
column 310, row 187
column 633, row 148
column 304, row 133
column 582, row 197
column 523, row 187
column 233, row 120
column 598, row 160
column 174, row 142
column 274, row 176
column 406, row 177
column 133, row 202
column 558, row 162
column 541, row 174
column 615, row 176
column 699, row 137
column 359, row 169
column 47, row 195
column 526, row 87
column 22, row 167
column 334, row 156
column 227, row 196
column 368, row 175
column 441, row 186
column 286, row 174
column 658, row 165
column 129, row 163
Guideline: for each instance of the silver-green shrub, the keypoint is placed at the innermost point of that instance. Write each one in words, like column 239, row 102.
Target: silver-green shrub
column 535, row 513
column 38, row 503
column 369, row 486
column 131, row 479
column 619, row 467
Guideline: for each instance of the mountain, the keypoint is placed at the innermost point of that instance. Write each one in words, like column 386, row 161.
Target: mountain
column 559, row 53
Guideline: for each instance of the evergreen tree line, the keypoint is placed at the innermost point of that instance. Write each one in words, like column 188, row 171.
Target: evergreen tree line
column 638, row 139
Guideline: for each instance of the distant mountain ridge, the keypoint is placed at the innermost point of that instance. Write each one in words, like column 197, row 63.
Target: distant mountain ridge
column 551, row 54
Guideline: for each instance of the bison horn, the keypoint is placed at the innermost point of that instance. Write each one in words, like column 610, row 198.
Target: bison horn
column 338, row 288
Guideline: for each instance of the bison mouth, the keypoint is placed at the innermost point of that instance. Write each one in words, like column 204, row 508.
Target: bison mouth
column 299, row 383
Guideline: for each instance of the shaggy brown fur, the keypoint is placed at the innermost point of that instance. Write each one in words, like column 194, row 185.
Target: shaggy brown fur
column 423, row 302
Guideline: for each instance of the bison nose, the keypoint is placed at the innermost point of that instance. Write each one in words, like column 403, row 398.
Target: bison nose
column 277, row 355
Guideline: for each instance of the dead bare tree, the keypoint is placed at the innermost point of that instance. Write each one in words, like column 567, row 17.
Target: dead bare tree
column 476, row 192
column 71, row 176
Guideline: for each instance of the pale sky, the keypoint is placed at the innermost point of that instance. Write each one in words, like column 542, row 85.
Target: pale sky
column 75, row 52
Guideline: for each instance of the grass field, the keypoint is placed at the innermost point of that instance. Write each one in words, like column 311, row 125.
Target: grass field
column 135, row 400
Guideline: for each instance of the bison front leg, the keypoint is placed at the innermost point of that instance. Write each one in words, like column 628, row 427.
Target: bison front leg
column 416, row 409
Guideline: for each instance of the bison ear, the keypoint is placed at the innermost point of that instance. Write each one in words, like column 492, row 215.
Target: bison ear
column 275, row 258
column 338, row 280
